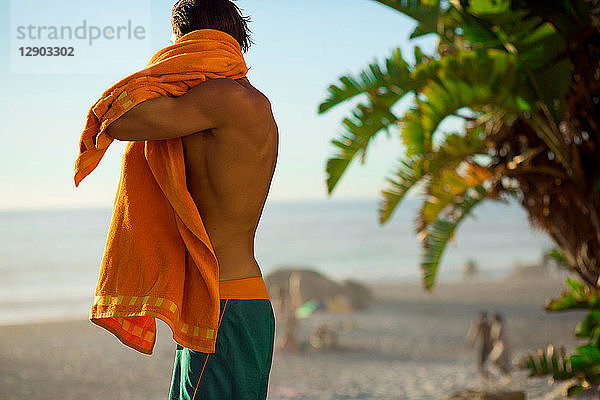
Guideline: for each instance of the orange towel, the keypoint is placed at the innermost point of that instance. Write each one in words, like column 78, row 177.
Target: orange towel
column 145, row 273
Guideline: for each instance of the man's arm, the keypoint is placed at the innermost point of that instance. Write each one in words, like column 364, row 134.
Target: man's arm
column 213, row 104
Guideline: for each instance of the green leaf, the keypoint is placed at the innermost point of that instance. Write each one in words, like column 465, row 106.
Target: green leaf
column 575, row 285
column 590, row 352
column 477, row 34
column 406, row 176
column 555, row 82
column 558, row 256
column 484, row 7
column 578, row 297
column 413, row 133
column 335, row 169
column 574, row 390
column 440, row 232
column 425, row 12
column 595, row 335
column 455, row 149
column 383, row 89
column 374, row 81
column 579, row 362
column 539, row 47
column 446, row 187
column 565, row 302
column 420, row 58
column 587, row 325
column 367, row 121
column 469, row 79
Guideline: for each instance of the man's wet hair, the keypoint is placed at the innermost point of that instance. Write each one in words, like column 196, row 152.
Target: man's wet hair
column 222, row 15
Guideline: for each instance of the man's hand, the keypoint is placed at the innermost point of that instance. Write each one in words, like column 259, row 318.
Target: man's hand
column 213, row 104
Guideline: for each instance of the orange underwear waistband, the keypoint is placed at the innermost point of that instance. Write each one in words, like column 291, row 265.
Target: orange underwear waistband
column 244, row 289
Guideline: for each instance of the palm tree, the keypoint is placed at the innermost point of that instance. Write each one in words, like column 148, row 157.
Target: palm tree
column 524, row 75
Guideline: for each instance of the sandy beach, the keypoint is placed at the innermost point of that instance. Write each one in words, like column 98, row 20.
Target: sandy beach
column 408, row 344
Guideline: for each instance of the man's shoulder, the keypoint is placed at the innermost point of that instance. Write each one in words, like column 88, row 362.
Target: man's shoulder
column 252, row 93
column 248, row 102
column 219, row 87
column 238, row 95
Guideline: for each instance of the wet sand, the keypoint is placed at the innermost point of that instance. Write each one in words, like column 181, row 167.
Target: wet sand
column 408, row 344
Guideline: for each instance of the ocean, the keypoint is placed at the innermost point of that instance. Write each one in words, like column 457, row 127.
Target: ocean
column 49, row 259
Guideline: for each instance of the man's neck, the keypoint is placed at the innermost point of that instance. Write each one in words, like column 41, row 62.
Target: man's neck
column 244, row 82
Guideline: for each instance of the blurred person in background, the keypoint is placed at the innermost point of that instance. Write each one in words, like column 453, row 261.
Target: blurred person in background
column 480, row 334
column 500, row 354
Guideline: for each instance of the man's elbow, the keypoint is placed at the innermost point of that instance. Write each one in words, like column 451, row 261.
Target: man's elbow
column 116, row 131
column 124, row 129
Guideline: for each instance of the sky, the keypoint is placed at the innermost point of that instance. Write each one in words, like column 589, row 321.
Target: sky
column 299, row 49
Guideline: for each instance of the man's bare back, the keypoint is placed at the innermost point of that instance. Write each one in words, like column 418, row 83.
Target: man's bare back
column 230, row 142
column 229, row 173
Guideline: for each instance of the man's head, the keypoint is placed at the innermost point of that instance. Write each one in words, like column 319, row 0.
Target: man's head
column 222, row 15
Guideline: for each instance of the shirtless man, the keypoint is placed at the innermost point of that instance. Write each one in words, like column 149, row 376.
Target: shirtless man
column 230, row 142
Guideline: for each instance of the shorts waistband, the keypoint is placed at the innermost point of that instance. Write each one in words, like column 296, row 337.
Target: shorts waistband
column 244, row 289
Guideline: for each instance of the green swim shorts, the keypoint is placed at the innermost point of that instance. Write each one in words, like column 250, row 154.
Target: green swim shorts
column 240, row 366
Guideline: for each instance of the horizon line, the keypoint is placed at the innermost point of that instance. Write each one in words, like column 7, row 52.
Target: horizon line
column 83, row 207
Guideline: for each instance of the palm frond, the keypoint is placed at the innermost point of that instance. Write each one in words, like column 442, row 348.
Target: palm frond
column 521, row 69
column 550, row 362
column 406, row 176
column 546, row 130
column 413, row 134
column 425, row 12
column 536, row 44
column 420, row 57
column 451, row 153
column 448, row 186
column 441, row 232
column 553, row 83
column 367, row 121
column 487, row 7
column 536, row 48
column 579, row 296
column 373, row 81
column 470, row 31
column 558, row 257
column 581, row 367
column 455, row 149
column 471, row 79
